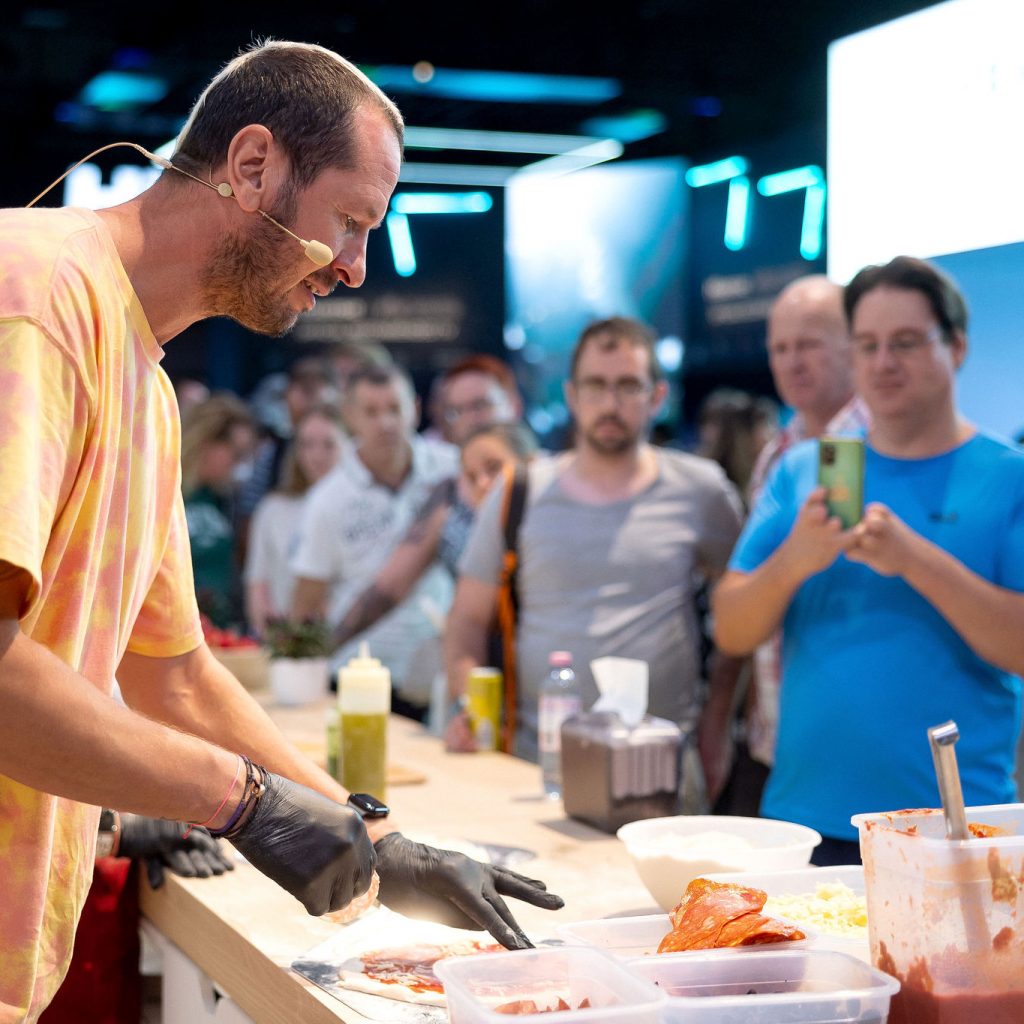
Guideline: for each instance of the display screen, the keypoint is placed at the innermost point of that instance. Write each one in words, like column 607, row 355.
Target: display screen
column 925, row 157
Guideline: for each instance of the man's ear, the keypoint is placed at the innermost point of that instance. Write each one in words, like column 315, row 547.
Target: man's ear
column 256, row 168
column 569, row 394
column 958, row 345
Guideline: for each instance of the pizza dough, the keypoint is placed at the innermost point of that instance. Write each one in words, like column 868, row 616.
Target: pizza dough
column 358, row 906
column 406, row 973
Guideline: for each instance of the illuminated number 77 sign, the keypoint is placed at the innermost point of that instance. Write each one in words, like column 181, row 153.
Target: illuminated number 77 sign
column 734, row 170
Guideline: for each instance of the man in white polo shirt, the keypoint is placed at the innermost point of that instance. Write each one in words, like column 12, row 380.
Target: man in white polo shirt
column 359, row 512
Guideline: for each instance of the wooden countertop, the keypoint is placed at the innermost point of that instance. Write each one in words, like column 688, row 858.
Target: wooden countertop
column 243, row 931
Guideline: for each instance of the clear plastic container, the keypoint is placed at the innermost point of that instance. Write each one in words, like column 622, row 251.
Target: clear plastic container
column 805, row 986
column 945, row 916
column 477, row 986
column 630, row 937
column 806, row 881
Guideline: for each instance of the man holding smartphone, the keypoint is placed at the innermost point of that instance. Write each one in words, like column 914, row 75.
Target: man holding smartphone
column 911, row 616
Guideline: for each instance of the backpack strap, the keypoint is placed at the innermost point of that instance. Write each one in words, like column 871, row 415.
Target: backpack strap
column 516, row 483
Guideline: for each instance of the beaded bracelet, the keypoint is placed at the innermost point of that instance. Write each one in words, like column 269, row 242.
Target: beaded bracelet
column 220, row 806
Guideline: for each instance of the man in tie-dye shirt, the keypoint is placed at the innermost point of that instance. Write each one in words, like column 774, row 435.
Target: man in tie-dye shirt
column 95, row 574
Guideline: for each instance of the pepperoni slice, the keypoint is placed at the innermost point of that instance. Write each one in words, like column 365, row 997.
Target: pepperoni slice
column 720, row 914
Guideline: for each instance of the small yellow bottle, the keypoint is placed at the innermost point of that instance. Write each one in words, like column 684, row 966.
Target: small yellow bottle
column 364, row 700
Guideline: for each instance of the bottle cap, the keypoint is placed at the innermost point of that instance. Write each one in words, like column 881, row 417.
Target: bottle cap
column 560, row 659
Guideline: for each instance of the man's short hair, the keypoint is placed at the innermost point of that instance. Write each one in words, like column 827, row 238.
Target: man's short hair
column 306, row 95
column 489, row 366
column 377, row 376
column 911, row 274
column 612, row 332
column 309, row 367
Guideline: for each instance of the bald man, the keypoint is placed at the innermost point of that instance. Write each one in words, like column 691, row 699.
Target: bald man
column 808, row 344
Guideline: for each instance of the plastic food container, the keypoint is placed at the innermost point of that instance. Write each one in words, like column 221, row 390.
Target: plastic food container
column 668, row 853
column 806, row 881
column 630, row 937
column 945, row 916
column 777, row 987
column 477, row 986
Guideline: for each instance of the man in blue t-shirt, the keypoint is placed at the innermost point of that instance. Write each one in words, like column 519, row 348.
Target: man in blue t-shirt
column 911, row 617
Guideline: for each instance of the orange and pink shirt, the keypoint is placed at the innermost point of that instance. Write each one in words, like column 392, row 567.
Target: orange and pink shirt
column 91, row 509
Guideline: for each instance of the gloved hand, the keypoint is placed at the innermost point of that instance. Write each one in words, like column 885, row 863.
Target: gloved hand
column 314, row 848
column 161, row 843
column 449, row 887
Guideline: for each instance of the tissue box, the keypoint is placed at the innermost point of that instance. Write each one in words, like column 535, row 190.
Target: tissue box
column 613, row 774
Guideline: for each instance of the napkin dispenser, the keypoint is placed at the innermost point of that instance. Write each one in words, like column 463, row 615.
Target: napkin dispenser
column 614, row 773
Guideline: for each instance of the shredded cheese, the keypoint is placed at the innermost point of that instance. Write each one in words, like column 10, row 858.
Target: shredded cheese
column 833, row 909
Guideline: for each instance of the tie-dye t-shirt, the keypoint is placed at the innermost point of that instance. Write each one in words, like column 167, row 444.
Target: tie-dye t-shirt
column 91, row 508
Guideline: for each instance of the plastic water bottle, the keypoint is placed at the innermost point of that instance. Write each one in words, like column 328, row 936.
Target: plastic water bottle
column 560, row 698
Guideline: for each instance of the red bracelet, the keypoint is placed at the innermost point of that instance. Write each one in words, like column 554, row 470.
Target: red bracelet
column 220, row 806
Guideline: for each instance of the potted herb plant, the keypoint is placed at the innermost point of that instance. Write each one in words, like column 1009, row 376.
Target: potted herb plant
column 298, row 659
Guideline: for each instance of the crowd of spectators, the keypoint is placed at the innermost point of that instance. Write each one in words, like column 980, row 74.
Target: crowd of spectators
column 392, row 531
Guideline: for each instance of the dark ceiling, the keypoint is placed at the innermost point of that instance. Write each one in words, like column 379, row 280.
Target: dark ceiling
column 722, row 74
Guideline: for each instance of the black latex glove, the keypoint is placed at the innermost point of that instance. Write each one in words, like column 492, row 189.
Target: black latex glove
column 314, row 848
column 449, row 887
column 162, row 844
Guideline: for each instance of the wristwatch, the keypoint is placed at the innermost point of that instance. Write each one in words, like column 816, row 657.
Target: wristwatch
column 108, row 838
column 367, row 806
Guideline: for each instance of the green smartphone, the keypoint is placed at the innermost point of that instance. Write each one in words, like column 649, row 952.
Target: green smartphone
column 841, row 470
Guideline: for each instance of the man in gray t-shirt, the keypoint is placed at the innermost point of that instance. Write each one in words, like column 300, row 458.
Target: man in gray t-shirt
column 615, row 537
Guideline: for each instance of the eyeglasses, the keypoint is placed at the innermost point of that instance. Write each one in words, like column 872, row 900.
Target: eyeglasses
column 596, row 389
column 901, row 345
column 478, row 406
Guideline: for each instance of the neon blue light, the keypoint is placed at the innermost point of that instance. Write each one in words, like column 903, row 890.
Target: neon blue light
column 418, row 137
column 497, row 86
column 631, row 127
column 790, row 181
column 811, row 178
column 122, row 90
column 736, row 213
column 401, row 244
column 814, row 219
column 719, row 171
column 441, row 202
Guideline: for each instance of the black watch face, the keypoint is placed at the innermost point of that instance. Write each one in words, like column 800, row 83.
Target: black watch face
column 369, row 806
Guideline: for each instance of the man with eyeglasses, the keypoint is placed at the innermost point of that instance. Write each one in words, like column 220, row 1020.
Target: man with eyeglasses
column 914, row 615
column 614, row 536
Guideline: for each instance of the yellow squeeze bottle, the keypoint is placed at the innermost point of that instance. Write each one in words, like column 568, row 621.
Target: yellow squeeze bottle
column 364, row 700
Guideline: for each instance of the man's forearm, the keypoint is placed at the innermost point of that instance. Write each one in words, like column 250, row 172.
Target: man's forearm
column 59, row 734
column 199, row 695
column 370, row 606
column 749, row 607
column 989, row 619
column 465, row 647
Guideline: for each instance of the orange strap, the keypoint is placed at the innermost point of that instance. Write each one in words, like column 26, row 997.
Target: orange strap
column 507, row 626
column 506, row 615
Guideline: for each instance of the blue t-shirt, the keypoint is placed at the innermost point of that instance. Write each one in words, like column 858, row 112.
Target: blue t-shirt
column 868, row 664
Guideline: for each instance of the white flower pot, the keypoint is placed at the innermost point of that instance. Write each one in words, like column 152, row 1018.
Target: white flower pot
column 298, row 680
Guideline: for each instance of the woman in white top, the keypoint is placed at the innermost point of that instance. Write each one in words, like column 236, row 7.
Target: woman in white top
column 313, row 453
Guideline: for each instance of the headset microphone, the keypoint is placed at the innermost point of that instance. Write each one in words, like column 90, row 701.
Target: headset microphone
column 318, row 253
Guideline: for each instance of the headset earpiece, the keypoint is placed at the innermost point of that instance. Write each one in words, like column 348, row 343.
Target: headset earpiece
column 223, row 189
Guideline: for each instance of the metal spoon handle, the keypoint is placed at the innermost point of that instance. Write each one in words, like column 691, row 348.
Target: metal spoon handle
column 942, row 739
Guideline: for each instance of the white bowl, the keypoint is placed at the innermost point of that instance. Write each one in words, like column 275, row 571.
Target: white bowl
column 668, row 855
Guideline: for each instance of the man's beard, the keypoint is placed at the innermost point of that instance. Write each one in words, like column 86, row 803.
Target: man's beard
column 239, row 279
column 616, row 445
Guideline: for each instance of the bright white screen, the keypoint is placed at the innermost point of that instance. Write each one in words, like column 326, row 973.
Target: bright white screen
column 926, row 135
